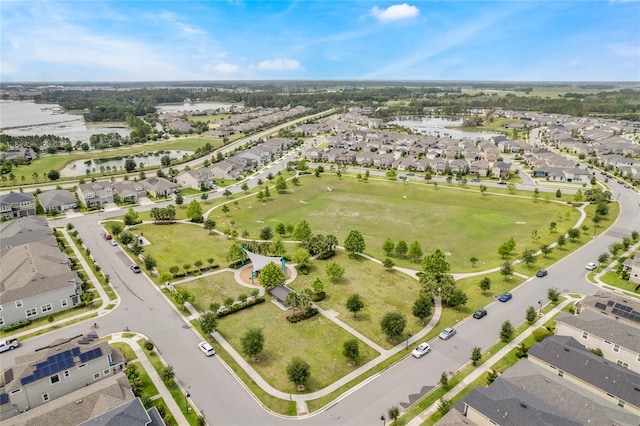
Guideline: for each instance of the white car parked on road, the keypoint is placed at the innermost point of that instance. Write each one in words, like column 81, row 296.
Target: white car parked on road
column 206, row 348
column 421, row 350
column 591, row 266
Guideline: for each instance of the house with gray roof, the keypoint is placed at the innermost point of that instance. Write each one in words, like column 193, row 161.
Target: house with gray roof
column 566, row 357
column 47, row 374
column 622, row 308
column 158, row 186
column 57, row 200
column 24, row 230
column 95, row 193
column 619, row 342
column 17, row 204
column 37, row 281
column 532, row 394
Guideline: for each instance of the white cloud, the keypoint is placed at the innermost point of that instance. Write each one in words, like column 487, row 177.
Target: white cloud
column 625, row 49
column 396, row 12
column 222, row 68
column 279, row 65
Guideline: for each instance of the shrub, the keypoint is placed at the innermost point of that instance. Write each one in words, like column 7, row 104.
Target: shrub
column 16, row 326
column 306, row 314
column 236, row 308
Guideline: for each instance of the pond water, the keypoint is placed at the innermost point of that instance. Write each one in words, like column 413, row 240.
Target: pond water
column 24, row 118
column 97, row 165
column 198, row 106
column 437, row 126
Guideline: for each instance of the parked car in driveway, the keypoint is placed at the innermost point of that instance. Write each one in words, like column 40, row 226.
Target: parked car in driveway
column 591, row 266
column 447, row 333
column 206, row 348
column 421, row 350
column 505, row 297
column 541, row 273
column 480, row 313
column 136, row 269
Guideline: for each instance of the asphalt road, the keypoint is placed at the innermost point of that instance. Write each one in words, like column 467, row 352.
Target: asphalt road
column 224, row 401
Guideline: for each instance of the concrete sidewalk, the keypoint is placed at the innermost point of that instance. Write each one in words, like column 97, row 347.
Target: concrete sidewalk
column 153, row 374
column 486, row 366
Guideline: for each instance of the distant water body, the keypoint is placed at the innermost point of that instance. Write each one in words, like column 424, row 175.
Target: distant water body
column 26, row 118
column 437, row 126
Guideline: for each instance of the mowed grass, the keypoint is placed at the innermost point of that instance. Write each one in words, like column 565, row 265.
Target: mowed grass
column 180, row 244
column 381, row 291
column 214, row 288
column 462, row 222
column 316, row 340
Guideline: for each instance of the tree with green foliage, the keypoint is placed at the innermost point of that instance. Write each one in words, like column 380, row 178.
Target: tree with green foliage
column 131, row 217
column 558, row 193
column 574, row 234
column 394, row 413
column 266, row 233
column 194, row 211
column 393, row 324
column 507, row 248
column 561, row 241
column 545, row 249
column 401, row 248
column 444, row 380
column 281, row 229
column 492, row 375
column 210, row 225
column 354, row 304
column 149, row 262
column 415, row 251
column 421, row 308
column 334, row 271
column 168, row 375
column 506, row 331
column 553, row 294
column 318, row 286
column 302, row 231
column 485, row 284
column 252, row 343
column 388, row 246
column 208, row 322
column 529, row 257
column 298, row 371
column 277, row 248
column 531, row 315
column 435, row 264
column 388, row 263
column 281, row 185
column 271, row 276
column 354, row 243
column 244, row 187
column 603, row 258
column 351, row 350
column 53, row 175
column 444, row 406
column 235, row 254
column 506, row 270
column 302, row 259
column 476, row 355
column 179, row 200
column 473, row 260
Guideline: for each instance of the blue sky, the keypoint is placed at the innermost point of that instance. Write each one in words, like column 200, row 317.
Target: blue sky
column 320, row 40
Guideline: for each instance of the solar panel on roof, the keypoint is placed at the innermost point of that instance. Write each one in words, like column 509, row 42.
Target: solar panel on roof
column 610, row 303
column 601, row 306
column 4, row 398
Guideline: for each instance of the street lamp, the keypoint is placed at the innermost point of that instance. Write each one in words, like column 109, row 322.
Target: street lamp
column 383, row 419
column 408, row 337
column 186, row 403
column 540, row 307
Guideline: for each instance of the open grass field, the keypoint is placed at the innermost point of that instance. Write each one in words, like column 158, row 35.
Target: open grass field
column 462, row 222
column 181, row 244
column 213, row 288
column 381, row 291
column 316, row 340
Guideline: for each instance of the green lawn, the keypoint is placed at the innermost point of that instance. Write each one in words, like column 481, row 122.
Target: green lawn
column 381, row 291
column 316, row 340
column 179, row 244
column 214, row 288
column 462, row 222
column 613, row 279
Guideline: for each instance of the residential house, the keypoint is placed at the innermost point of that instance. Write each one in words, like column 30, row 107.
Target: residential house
column 196, row 178
column 37, row 281
column 632, row 267
column 479, row 167
column 66, row 365
column 159, row 187
column 57, row 200
column 17, row 204
column 621, row 308
column 365, row 159
column 383, row 161
column 458, row 166
column 129, row 191
column 24, row 230
column 619, row 342
column 95, row 193
column 501, row 170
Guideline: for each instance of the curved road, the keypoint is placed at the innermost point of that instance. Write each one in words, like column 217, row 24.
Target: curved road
column 224, row 401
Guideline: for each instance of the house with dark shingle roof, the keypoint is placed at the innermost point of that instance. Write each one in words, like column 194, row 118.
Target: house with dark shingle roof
column 17, row 204
column 66, row 365
column 58, row 200
column 619, row 342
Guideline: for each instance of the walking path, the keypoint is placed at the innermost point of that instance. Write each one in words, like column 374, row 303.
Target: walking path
column 153, row 375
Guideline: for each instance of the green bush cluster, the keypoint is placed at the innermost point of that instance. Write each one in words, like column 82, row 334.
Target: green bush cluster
column 306, row 314
column 16, row 326
column 235, row 308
